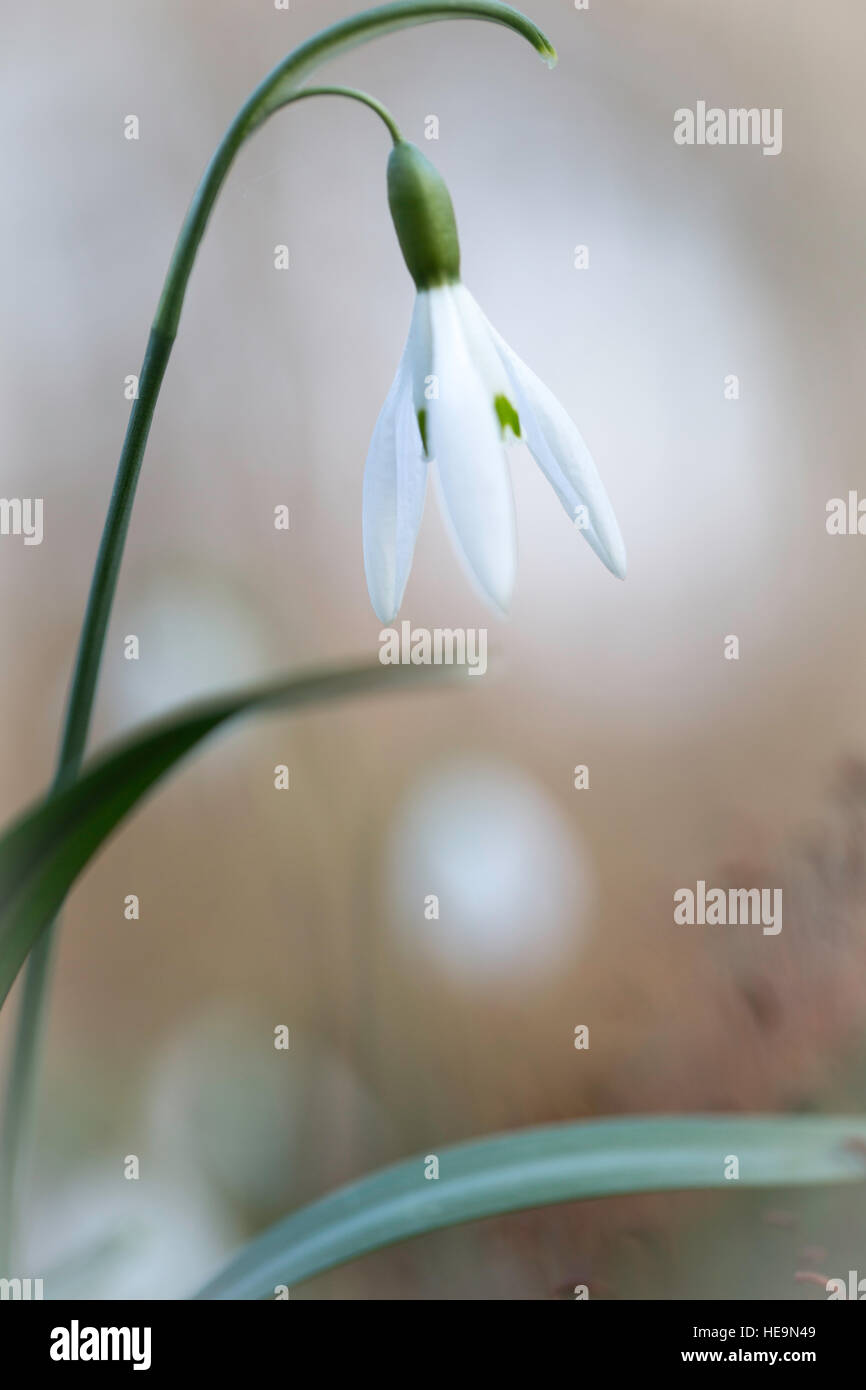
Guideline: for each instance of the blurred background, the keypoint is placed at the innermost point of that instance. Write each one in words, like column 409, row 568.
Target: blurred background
column 306, row 907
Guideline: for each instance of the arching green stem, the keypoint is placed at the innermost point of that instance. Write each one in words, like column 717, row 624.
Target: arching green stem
column 354, row 95
column 278, row 89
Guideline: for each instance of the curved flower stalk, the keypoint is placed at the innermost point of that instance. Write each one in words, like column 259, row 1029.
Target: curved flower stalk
column 459, row 395
column 279, row 88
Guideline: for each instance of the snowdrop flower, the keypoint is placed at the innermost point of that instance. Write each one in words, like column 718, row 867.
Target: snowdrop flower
column 459, row 395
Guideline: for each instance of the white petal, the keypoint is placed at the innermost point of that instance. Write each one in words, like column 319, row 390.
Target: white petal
column 562, row 455
column 419, row 350
column 465, row 440
column 395, row 483
column 479, row 342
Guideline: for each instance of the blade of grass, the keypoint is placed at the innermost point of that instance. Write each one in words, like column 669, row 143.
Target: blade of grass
column 44, row 851
column 540, row 1167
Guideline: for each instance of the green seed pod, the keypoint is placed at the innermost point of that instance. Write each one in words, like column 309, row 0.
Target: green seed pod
column 423, row 218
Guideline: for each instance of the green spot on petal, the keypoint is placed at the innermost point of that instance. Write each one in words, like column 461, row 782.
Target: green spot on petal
column 422, row 425
column 507, row 416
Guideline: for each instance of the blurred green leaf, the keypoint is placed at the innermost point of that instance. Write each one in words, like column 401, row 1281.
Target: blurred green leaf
column 540, row 1167
column 43, row 852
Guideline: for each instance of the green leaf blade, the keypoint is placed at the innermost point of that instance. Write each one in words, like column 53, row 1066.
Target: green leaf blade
column 45, row 850
column 542, row 1167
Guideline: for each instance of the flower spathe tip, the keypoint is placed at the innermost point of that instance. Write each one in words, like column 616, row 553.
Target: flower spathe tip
column 516, row 20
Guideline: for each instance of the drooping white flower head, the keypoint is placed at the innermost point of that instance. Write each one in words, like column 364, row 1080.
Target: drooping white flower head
column 459, row 395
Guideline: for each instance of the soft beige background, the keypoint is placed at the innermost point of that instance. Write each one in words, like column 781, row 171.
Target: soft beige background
column 306, row 908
